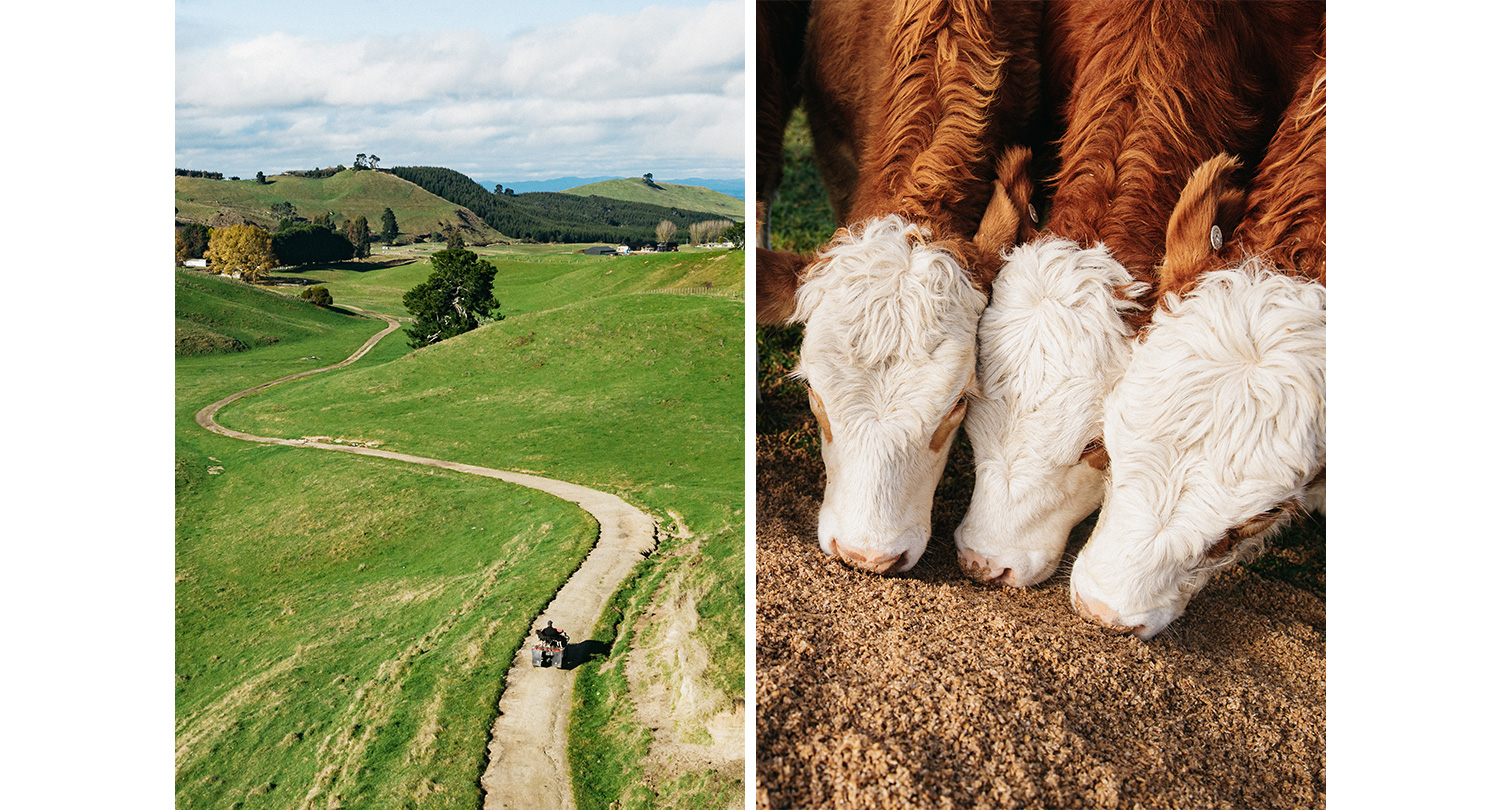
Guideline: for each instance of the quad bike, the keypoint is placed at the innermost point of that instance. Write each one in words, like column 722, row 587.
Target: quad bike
column 549, row 652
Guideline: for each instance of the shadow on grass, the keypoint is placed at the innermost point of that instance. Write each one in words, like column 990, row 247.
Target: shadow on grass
column 576, row 655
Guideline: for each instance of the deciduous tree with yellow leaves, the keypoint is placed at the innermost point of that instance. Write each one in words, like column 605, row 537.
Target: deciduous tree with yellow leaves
column 242, row 249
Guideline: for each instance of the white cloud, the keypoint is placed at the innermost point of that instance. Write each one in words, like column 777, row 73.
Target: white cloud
column 656, row 85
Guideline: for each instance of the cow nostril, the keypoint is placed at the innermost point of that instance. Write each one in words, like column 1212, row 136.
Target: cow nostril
column 978, row 568
column 864, row 561
column 1100, row 613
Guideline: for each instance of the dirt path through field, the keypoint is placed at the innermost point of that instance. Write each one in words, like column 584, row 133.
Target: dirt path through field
column 528, row 765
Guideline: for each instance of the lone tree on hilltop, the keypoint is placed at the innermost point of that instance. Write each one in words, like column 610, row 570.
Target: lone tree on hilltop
column 241, row 249
column 358, row 234
column 388, row 229
column 453, row 300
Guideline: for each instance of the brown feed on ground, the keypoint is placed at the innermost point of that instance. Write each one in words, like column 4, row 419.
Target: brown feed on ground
column 927, row 690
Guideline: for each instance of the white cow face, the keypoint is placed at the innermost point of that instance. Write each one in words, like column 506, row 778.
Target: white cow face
column 1215, row 434
column 1051, row 343
column 888, row 355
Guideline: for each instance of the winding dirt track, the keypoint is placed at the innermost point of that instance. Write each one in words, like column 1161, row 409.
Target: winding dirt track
column 528, row 765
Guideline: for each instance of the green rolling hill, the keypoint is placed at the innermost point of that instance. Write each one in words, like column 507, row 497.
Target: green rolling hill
column 667, row 195
column 348, row 194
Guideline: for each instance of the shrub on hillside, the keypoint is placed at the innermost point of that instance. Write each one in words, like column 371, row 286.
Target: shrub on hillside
column 195, row 341
column 318, row 295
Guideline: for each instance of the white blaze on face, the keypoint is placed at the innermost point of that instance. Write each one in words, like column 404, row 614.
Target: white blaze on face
column 888, row 354
column 1217, row 423
column 1051, row 343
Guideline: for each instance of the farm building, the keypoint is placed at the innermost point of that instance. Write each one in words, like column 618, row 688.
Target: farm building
column 600, row 250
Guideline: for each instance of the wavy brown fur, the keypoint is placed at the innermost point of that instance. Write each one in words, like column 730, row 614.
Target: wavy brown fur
column 1152, row 89
column 909, row 100
column 1285, row 215
column 777, row 274
column 1287, row 220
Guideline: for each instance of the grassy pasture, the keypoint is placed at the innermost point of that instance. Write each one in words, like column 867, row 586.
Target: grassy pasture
column 640, row 395
column 314, row 589
column 217, row 315
column 534, row 277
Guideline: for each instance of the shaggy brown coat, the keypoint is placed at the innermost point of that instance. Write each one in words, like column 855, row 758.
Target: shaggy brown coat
column 1285, row 220
column 1149, row 90
column 909, row 102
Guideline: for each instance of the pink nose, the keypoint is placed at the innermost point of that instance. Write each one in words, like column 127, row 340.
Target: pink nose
column 1100, row 613
column 984, row 571
column 867, row 561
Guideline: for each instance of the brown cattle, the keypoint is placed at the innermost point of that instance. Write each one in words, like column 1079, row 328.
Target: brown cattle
column 910, row 104
column 1216, row 429
column 1146, row 91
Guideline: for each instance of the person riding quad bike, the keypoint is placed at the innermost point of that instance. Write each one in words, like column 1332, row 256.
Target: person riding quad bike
column 550, row 647
column 550, row 633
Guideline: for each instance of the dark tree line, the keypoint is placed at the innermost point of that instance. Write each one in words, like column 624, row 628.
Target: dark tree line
column 549, row 216
column 192, row 241
column 316, row 174
column 196, row 173
column 310, row 244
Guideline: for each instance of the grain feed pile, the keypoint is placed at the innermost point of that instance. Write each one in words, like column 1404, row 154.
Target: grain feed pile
column 927, row 690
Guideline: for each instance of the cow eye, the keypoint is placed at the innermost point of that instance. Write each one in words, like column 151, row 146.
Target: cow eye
column 1250, row 528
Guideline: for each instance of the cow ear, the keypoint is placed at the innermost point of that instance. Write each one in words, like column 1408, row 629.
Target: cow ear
column 1007, row 220
column 1207, row 212
column 778, row 273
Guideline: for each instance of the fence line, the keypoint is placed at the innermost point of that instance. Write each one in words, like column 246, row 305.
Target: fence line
column 738, row 295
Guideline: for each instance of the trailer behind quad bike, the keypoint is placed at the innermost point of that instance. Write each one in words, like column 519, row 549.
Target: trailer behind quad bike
column 549, row 652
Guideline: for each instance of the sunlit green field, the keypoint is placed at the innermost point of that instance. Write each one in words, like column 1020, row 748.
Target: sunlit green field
column 419, row 584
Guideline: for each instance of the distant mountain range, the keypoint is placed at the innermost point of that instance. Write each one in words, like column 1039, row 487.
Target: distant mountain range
column 733, row 187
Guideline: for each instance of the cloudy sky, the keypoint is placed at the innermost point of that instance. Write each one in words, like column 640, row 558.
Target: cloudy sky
column 503, row 91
